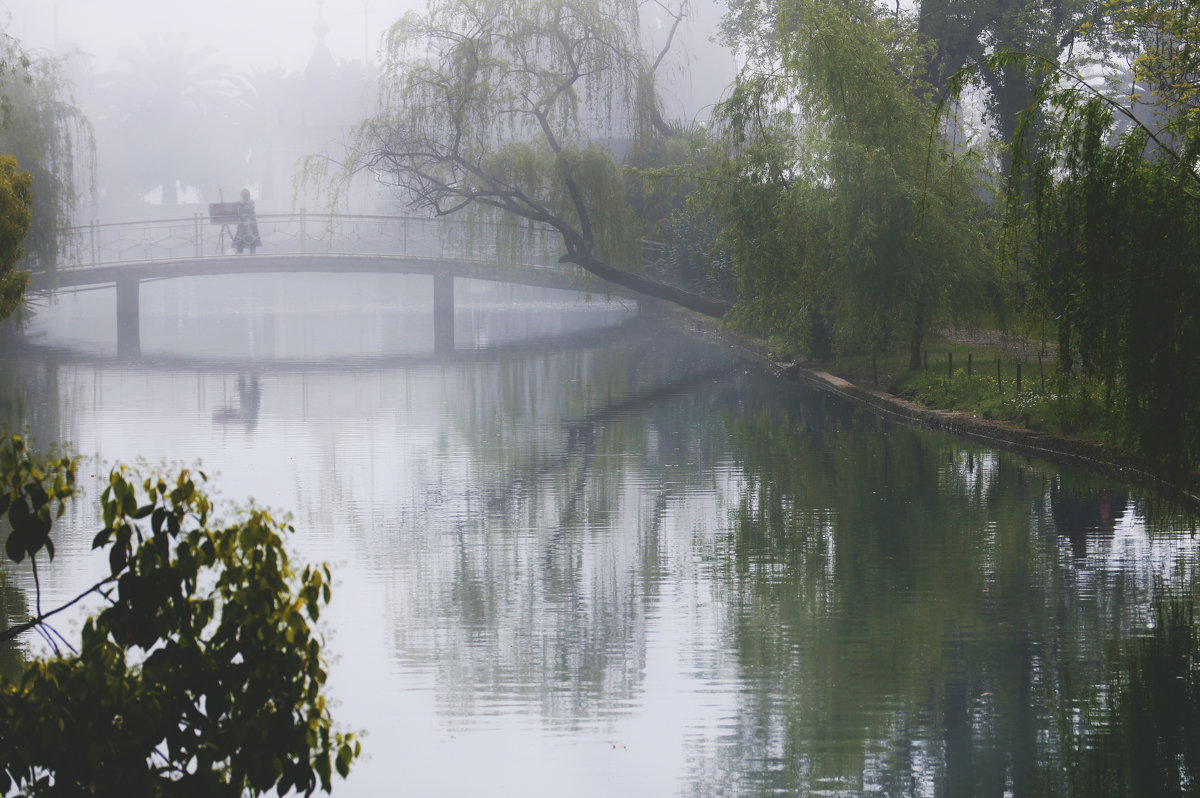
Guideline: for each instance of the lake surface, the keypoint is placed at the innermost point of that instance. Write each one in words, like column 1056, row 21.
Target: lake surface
column 586, row 555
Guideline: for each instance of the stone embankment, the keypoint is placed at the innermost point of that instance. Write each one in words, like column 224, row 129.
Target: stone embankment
column 1032, row 443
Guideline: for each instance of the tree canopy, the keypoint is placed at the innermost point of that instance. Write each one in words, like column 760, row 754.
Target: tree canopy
column 850, row 213
column 201, row 675
column 1110, row 231
column 520, row 110
column 45, row 131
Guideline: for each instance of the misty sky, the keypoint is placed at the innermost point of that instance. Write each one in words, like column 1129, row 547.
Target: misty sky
column 247, row 34
column 266, row 34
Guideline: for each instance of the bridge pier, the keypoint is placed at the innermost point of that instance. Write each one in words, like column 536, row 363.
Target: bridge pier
column 129, row 336
column 443, row 313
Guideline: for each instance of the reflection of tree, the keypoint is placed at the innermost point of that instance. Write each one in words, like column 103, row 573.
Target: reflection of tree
column 908, row 602
column 245, row 410
column 13, row 610
column 30, row 401
column 1085, row 515
column 889, row 611
column 1142, row 737
column 904, row 612
column 557, row 548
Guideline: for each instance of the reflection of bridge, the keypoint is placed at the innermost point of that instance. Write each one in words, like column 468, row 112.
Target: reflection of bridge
column 125, row 254
column 631, row 329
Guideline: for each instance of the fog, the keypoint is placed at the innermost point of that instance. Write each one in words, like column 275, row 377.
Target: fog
column 192, row 102
column 258, row 34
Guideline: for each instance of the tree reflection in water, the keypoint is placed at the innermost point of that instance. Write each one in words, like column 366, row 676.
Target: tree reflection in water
column 944, row 621
column 631, row 530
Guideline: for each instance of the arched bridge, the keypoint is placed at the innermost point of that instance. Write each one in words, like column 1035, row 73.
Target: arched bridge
column 125, row 254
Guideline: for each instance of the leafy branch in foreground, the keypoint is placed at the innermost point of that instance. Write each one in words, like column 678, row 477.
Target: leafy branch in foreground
column 202, row 675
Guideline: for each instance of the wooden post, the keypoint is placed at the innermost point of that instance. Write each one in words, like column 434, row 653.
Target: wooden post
column 1018, row 376
column 969, row 364
column 950, row 364
column 999, row 384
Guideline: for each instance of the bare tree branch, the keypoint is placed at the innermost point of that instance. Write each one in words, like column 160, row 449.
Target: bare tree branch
column 41, row 617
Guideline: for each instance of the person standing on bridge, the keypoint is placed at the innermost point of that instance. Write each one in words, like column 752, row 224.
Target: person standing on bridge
column 247, row 229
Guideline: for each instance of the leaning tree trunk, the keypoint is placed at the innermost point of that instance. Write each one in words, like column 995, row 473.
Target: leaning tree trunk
column 652, row 288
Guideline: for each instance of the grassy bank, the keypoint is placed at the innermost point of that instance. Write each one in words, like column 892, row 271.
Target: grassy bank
column 988, row 377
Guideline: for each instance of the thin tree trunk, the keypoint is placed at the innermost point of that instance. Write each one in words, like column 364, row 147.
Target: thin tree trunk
column 915, row 341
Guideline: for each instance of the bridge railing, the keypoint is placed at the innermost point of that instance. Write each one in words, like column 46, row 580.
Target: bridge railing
column 103, row 244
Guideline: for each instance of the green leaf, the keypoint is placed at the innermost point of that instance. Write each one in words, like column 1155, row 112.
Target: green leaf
column 344, row 757
column 18, row 514
column 117, row 557
column 14, row 547
column 36, row 494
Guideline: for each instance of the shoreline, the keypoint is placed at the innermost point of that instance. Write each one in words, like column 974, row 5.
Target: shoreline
column 1058, row 449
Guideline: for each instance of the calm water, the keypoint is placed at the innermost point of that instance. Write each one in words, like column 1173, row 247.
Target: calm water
column 586, row 556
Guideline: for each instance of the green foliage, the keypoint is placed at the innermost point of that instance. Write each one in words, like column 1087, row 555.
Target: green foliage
column 693, row 255
column 664, row 176
column 33, row 494
column 1116, row 260
column 1060, row 406
column 1160, row 38
column 16, row 203
column 202, row 675
column 950, row 34
column 849, row 219
column 51, row 139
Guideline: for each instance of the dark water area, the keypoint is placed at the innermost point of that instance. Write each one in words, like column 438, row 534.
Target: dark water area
column 588, row 555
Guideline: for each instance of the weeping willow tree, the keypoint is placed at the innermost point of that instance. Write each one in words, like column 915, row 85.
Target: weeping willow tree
column 50, row 138
column 855, row 226
column 1113, row 232
column 516, row 110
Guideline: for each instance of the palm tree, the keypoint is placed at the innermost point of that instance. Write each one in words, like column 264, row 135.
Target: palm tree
column 170, row 116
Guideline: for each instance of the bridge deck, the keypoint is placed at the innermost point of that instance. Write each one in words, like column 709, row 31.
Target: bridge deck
column 330, row 243
column 538, row 276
